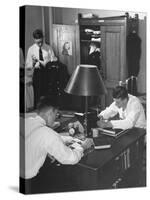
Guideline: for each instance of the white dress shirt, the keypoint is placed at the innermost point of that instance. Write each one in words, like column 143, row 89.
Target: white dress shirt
column 132, row 116
column 47, row 51
column 41, row 140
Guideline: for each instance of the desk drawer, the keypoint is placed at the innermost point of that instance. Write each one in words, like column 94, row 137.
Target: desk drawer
column 119, row 171
column 112, row 172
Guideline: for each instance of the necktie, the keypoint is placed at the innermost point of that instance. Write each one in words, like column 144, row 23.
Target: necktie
column 40, row 54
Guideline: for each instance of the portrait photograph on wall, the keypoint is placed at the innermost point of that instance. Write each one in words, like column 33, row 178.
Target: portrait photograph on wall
column 67, row 48
column 82, row 99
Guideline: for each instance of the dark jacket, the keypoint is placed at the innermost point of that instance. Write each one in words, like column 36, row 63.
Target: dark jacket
column 133, row 54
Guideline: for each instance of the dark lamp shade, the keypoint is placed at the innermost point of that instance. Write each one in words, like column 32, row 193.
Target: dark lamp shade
column 86, row 81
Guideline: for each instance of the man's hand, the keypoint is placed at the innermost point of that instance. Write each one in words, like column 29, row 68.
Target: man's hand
column 55, row 59
column 104, row 124
column 67, row 139
column 87, row 143
column 34, row 59
column 100, row 117
column 77, row 146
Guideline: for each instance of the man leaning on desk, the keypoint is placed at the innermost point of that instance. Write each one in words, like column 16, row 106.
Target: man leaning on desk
column 129, row 108
column 40, row 140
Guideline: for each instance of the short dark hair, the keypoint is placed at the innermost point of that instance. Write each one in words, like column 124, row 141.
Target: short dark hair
column 37, row 34
column 46, row 103
column 120, row 92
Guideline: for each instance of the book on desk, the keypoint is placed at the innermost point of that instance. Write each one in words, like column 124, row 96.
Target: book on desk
column 102, row 142
column 112, row 132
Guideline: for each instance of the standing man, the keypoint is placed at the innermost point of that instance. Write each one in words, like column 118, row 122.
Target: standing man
column 39, row 54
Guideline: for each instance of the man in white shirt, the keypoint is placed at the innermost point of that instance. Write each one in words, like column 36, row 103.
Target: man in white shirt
column 39, row 140
column 129, row 108
column 38, row 55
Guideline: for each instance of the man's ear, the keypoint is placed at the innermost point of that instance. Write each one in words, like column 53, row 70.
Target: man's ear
column 49, row 112
column 125, row 100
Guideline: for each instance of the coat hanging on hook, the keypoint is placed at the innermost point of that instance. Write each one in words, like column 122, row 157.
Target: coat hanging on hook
column 133, row 53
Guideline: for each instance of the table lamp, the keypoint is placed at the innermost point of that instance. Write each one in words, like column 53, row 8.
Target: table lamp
column 86, row 81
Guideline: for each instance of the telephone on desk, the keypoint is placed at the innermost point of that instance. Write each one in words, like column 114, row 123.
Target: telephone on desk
column 76, row 131
column 74, row 127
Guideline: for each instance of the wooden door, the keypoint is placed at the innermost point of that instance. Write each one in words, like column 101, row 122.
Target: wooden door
column 113, row 47
column 66, row 45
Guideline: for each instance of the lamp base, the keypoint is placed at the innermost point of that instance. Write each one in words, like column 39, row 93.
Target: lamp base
column 90, row 123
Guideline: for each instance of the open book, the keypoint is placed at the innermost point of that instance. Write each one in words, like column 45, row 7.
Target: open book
column 112, row 132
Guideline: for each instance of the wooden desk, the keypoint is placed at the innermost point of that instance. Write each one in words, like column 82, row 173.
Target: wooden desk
column 117, row 167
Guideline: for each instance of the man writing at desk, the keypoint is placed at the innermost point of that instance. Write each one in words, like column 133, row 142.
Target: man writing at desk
column 129, row 108
column 40, row 140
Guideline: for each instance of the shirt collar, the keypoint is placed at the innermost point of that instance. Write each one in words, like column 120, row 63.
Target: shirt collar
column 41, row 120
column 36, row 46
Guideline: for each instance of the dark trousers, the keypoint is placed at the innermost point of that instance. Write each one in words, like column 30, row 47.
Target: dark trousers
column 39, row 82
column 49, row 179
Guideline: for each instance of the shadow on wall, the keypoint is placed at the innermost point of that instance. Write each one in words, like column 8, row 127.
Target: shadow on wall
column 14, row 188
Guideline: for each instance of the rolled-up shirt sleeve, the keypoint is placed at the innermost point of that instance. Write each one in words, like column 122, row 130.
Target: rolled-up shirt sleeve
column 130, row 118
column 55, row 146
column 109, row 112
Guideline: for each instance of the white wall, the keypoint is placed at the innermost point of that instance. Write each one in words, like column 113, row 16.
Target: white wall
column 33, row 20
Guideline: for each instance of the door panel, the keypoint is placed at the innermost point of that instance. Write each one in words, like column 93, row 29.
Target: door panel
column 113, row 57
column 67, row 37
